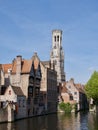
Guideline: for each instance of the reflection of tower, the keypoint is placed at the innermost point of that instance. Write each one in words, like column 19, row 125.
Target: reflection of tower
column 57, row 55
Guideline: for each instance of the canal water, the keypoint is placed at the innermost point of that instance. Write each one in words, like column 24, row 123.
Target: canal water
column 61, row 121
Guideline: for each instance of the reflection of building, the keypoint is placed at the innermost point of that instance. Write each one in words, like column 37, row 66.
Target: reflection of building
column 57, row 55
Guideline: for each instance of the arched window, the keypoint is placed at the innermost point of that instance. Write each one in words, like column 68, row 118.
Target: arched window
column 58, row 38
column 55, row 38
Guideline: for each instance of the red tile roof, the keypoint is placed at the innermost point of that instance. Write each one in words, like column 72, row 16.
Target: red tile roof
column 5, row 67
column 25, row 66
column 79, row 87
column 64, row 89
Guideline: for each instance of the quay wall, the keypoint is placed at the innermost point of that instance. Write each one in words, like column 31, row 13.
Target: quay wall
column 4, row 115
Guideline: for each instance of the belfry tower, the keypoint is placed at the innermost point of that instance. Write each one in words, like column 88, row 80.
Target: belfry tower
column 57, row 55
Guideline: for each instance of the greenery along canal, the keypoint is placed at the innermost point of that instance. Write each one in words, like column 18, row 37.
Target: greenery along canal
column 60, row 121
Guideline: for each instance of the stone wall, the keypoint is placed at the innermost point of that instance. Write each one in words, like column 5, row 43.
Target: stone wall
column 3, row 115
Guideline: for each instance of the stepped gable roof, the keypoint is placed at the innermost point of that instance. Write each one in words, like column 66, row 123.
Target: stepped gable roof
column 78, row 86
column 64, row 89
column 36, row 63
column 18, row 91
column 5, row 67
column 35, row 60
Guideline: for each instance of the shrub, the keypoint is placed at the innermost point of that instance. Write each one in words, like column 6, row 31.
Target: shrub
column 66, row 107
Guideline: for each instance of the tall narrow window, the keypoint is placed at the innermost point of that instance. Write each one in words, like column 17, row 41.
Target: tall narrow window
column 23, row 103
column 37, row 91
column 19, row 102
column 58, row 38
column 30, row 91
column 55, row 38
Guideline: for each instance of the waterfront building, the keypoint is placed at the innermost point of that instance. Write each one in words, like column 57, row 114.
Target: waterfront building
column 28, row 88
column 65, row 95
column 12, row 104
column 49, row 86
column 25, row 75
column 57, row 55
column 78, row 94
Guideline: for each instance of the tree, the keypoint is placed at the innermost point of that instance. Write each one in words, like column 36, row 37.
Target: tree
column 91, row 88
column 66, row 107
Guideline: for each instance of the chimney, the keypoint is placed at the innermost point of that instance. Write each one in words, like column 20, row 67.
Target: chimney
column 18, row 68
column 72, row 80
column 18, row 64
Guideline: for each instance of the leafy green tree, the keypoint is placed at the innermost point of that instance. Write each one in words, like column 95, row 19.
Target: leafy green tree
column 91, row 88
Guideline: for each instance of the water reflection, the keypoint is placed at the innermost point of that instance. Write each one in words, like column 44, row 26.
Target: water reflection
column 61, row 121
column 93, row 121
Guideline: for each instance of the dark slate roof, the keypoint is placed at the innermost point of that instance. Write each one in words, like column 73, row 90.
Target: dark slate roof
column 18, row 91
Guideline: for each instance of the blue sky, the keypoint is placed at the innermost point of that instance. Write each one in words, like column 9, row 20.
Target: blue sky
column 26, row 27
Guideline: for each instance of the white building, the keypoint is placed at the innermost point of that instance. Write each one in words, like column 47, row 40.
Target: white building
column 57, row 55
